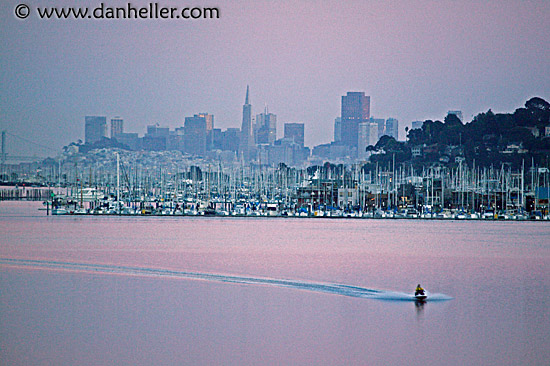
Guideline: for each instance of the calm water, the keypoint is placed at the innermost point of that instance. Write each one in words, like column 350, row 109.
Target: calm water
column 117, row 291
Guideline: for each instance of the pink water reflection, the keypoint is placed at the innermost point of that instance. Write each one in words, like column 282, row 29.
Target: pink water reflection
column 91, row 319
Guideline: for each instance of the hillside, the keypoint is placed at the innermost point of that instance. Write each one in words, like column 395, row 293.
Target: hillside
column 489, row 139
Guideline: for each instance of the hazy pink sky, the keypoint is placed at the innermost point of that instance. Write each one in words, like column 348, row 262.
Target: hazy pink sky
column 416, row 59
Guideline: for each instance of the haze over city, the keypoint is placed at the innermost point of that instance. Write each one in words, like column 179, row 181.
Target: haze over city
column 415, row 59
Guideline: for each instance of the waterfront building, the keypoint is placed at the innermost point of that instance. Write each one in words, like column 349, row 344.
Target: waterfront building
column 117, row 126
column 295, row 131
column 266, row 128
column 348, row 197
column 95, row 129
column 355, row 110
column 392, row 128
column 195, row 135
column 246, row 141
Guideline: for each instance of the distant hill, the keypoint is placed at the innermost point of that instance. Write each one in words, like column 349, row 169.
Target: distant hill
column 489, row 139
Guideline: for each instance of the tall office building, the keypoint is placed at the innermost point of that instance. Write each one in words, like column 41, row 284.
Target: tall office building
column 381, row 123
column 129, row 139
column 156, row 138
column 392, row 128
column 217, row 138
column 368, row 135
column 266, row 128
column 246, row 143
column 95, row 129
column 417, row 125
column 157, row 131
column 209, row 120
column 230, row 139
column 338, row 129
column 117, row 126
column 355, row 110
column 295, row 131
column 194, row 138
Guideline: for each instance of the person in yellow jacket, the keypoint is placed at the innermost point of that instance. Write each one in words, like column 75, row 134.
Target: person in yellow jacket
column 419, row 290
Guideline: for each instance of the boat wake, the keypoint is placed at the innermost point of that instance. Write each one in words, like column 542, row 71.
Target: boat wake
column 328, row 288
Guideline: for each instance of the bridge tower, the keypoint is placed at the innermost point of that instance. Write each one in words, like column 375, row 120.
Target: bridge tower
column 3, row 156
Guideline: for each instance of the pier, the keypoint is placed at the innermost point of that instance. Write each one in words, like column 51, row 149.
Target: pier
column 25, row 194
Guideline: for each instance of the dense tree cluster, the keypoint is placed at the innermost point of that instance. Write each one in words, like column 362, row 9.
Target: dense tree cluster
column 489, row 139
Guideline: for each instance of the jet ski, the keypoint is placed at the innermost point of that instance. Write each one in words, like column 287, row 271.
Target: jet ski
column 420, row 294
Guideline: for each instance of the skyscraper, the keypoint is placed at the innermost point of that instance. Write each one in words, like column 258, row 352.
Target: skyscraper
column 230, row 139
column 209, row 119
column 338, row 129
column 381, row 122
column 266, row 128
column 392, row 128
column 195, row 135
column 246, row 143
column 368, row 135
column 295, row 131
column 156, row 138
column 117, row 126
column 95, row 128
column 355, row 110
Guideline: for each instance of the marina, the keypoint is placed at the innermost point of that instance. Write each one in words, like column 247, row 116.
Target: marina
column 124, row 185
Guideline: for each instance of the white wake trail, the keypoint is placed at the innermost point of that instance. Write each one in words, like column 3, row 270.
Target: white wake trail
column 329, row 288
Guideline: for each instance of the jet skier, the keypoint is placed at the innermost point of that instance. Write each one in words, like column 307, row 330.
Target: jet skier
column 419, row 290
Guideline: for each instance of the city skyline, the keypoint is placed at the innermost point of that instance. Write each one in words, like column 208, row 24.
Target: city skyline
column 257, row 138
column 298, row 57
